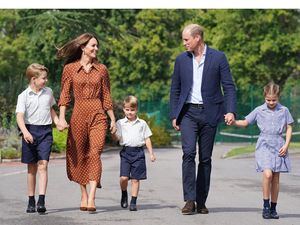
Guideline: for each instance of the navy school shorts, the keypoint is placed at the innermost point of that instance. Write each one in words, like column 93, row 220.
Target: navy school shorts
column 133, row 163
column 40, row 149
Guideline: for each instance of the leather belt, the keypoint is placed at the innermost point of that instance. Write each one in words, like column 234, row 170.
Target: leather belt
column 199, row 106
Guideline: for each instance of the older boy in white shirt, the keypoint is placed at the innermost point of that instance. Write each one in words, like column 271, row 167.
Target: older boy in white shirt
column 34, row 117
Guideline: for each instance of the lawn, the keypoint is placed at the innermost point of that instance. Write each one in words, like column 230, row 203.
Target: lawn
column 294, row 146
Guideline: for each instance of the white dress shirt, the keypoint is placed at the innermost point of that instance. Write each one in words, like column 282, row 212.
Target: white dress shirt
column 36, row 106
column 132, row 133
column 195, row 95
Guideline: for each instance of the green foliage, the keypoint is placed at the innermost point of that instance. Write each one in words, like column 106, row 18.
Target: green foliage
column 160, row 135
column 10, row 153
column 143, row 58
column 59, row 140
column 139, row 47
column 9, row 138
column 261, row 45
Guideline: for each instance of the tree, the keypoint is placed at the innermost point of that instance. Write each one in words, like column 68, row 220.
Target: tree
column 140, row 63
column 261, row 45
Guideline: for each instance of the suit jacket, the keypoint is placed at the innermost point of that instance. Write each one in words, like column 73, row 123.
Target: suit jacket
column 216, row 76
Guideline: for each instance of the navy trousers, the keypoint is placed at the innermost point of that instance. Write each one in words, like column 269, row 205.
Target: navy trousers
column 195, row 129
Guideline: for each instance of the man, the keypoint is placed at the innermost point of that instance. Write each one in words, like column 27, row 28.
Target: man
column 202, row 95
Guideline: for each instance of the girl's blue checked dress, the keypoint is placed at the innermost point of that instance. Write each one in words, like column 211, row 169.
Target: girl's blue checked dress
column 272, row 124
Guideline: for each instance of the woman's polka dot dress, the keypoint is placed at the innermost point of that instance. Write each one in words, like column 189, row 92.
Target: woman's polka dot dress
column 88, row 124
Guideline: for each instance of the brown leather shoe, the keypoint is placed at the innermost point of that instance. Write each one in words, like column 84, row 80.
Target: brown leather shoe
column 202, row 209
column 189, row 208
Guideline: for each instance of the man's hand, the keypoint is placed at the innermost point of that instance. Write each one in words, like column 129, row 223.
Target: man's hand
column 229, row 118
column 176, row 127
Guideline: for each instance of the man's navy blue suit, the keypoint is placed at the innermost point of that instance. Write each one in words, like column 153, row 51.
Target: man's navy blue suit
column 198, row 124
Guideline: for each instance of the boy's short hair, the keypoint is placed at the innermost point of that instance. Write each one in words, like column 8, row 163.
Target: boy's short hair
column 131, row 100
column 35, row 70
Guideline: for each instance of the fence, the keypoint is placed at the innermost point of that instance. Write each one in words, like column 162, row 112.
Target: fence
column 246, row 103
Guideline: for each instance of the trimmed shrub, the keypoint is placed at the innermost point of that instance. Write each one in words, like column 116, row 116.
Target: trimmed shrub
column 59, row 141
column 10, row 153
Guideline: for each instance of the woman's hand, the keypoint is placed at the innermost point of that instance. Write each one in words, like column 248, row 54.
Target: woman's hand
column 113, row 128
column 62, row 124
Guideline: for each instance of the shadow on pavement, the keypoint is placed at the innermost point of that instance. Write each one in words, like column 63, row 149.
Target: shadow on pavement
column 233, row 209
column 289, row 215
column 239, row 209
column 104, row 209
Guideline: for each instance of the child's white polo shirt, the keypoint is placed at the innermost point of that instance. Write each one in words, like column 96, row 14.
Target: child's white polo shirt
column 132, row 133
column 36, row 106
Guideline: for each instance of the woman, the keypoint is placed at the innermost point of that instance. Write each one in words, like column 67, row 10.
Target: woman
column 87, row 81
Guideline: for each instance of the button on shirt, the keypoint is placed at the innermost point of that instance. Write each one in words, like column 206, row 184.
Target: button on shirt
column 36, row 106
column 195, row 92
column 132, row 133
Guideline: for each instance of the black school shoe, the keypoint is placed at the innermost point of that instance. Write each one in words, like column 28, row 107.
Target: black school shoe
column 273, row 214
column 124, row 201
column 30, row 209
column 41, row 208
column 266, row 214
column 132, row 207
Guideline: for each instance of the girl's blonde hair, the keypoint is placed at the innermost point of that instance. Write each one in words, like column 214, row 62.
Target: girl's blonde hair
column 271, row 89
column 131, row 100
column 35, row 70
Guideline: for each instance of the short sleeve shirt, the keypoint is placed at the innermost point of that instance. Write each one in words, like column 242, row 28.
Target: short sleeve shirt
column 36, row 106
column 270, row 121
column 132, row 133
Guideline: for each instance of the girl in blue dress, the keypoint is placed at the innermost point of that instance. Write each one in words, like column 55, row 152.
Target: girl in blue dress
column 271, row 154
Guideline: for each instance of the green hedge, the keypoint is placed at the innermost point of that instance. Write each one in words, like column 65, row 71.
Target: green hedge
column 59, row 141
column 10, row 153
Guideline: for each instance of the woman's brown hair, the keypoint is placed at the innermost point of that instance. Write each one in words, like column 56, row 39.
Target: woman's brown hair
column 72, row 51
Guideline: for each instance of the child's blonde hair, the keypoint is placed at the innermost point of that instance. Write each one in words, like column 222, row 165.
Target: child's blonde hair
column 35, row 70
column 132, row 101
column 271, row 89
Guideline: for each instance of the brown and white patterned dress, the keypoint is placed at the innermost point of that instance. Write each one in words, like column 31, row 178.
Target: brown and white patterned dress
column 88, row 124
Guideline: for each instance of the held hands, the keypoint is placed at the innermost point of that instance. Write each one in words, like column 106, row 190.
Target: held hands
column 229, row 119
column 283, row 150
column 113, row 127
column 176, row 127
column 62, row 124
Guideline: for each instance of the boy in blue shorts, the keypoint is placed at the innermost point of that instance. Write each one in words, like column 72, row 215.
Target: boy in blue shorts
column 35, row 114
column 132, row 133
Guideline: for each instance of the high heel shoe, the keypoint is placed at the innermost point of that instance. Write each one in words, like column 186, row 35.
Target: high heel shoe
column 91, row 209
column 83, row 208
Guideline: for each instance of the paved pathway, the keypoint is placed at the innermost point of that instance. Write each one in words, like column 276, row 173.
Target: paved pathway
column 235, row 197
